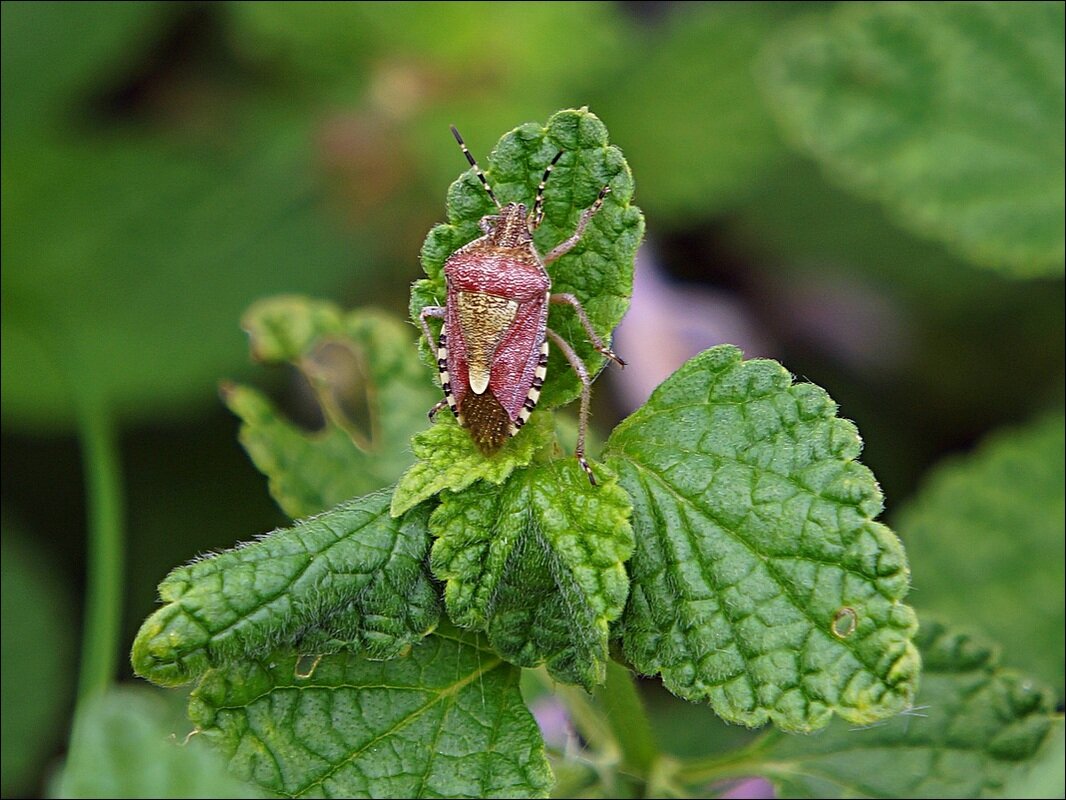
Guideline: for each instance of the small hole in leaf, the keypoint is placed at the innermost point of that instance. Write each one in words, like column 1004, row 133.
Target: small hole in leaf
column 845, row 621
column 306, row 666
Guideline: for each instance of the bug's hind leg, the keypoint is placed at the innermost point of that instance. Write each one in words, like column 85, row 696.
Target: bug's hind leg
column 583, row 318
column 586, row 389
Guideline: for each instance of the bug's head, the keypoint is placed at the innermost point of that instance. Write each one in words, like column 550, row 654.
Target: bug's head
column 510, row 228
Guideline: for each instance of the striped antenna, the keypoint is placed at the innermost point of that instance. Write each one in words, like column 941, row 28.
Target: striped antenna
column 473, row 163
column 538, row 207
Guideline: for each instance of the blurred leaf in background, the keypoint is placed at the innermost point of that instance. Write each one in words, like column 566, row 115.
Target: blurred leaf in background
column 38, row 644
column 949, row 114
column 985, row 539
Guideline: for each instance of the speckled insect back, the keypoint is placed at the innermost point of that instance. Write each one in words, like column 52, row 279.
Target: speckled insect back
column 493, row 348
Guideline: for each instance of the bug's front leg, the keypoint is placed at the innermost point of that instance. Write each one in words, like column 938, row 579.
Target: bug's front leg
column 583, row 318
column 563, row 248
column 586, row 388
column 441, row 351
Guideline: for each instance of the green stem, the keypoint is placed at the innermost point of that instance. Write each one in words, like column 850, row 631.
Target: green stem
column 627, row 720
column 103, row 489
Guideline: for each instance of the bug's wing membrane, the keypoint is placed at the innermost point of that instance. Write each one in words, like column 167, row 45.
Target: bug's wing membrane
column 517, row 362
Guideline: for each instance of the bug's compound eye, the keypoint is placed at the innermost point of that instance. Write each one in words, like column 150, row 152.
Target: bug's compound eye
column 488, row 223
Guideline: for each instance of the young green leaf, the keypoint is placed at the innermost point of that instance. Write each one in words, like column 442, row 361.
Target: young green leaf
column 351, row 577
column 976, row 531
column 126, row 744
column 449, row 459
column 362, row 358
column 447, row 720
column 977, row 727
column 599, row 271
column 546, row 534
column 760, row 582
column 949, row 114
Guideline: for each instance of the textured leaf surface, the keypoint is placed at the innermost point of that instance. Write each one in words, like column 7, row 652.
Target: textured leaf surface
column 950, row 114
column 986, row 539
column 449, row 459
column 1046, row 777
column 760, row 582
column 977, row 726
column 538, row 563
column 351, row 577
column 446, row 720
column 127, row 743
column 598, row 271
column 356, row 362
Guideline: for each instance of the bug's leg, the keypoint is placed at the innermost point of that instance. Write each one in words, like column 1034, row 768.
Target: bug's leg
column 583, row 318
column 565, row 247
column 586, row 387
column 537, row 215
column 474, row 164
column 441, row 351
column 433, row 411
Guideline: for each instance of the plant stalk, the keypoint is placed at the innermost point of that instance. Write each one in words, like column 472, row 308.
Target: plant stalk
column 105, row 558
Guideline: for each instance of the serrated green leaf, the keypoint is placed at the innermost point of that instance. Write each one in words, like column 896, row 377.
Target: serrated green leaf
column 548, row 534
column 975, row 532
column 351, row 577
column 127, row 743
column 449, row 459
column 364, row 356
column 760, row 582
column 598, row 271
column 38, row 643
column 976, row 727
column 950, row 114
column 447, row 720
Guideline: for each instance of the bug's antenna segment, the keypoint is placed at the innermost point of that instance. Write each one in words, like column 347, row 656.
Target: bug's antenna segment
column 538, row 207
column 473, row 163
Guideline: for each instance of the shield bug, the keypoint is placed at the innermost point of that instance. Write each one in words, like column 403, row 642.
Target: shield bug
column 493, row 349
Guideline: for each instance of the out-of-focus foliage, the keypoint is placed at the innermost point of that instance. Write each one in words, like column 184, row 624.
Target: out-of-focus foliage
column 951, row 114
column 129, row 743
column 985, row 537
column 38, row 637
column 372, row 396
column 131, row 244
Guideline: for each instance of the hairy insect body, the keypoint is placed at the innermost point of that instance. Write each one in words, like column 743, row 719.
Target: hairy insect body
column 493, row 348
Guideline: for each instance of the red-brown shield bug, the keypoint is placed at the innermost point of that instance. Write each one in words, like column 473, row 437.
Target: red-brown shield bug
column 493, row 349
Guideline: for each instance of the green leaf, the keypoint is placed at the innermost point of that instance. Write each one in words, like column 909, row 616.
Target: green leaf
column 949, row 114
column 598, row 271
column 1046, row 777
column 702, row 138
column 449, row 459
column 760, row 582
column 975, row 532
column 38, row 644
column 447, row 720
column 351, row 577
column 548, row 534
column 362, row 359
column 127, row 743
column 978, row 726
column 132, row 239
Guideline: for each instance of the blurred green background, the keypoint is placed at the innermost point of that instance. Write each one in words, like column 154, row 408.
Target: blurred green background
column 809, row 194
